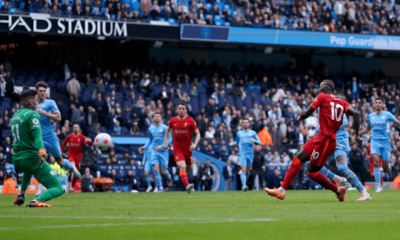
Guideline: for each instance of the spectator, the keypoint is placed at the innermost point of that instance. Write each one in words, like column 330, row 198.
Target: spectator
column 145, row 85
column 258, row 169
column 132, row 181
column 117, row 128
column 3, row 161
column 6, row 146
column 2, row 177
column 87, row 182
column 278, row 178
column 228, row 176
column 73, row 88
column 209, row 133
column 2, row 87
column 233, row 157
column 357, row 162
column 195, row 173
column 75, row 114
column 91, row 160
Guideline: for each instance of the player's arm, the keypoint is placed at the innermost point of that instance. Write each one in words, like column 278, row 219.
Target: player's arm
column 394, row 119
column 256, row 139
column 144, row 147
column 36, row 130
column 367, row 129
column 89, row 142
column 196, row 141
column 169, row 141
column 236, row 142
column 166, row 135
column 357, row 122
column 313, row 133
column 305, row 114
column 66, row 140
column 56, row 115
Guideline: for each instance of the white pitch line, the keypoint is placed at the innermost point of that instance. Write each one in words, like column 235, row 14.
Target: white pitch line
column 133, row 218
column 128, row 224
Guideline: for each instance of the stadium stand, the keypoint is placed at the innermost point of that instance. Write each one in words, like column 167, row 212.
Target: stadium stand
column 367, row 17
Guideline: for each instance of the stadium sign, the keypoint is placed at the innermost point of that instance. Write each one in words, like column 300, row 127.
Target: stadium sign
column 45, row 24
column 290, row 37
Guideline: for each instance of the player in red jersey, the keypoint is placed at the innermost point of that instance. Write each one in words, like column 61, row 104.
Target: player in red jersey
column 318, row 149
column 75, row 141
column 182, row 128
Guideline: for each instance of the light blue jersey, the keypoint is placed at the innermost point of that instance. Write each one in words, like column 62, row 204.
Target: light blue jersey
column 246, row 152
column 342, row 141
column 156, row 135
column 50, row 141
column 380, row 137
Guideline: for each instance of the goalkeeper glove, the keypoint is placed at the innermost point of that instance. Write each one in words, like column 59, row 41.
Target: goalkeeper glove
column 42, row 157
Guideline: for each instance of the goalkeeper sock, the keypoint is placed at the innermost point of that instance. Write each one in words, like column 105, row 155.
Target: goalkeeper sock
column 147, row 178
column 158, row 180
column 67, row 165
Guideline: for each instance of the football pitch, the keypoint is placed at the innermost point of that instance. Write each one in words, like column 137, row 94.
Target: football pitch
column 204, row 215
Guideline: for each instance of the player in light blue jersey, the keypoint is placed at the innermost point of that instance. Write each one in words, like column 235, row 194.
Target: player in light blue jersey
column 341, row 153
column 380, row 138
column 49, row 113
column 159, row 156
column 245, row 139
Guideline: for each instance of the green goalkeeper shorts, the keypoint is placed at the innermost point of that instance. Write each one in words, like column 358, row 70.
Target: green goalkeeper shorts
column 29, row 166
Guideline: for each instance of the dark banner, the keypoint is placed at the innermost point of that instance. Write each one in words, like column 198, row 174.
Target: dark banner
column 86, row 27
column 204, row 33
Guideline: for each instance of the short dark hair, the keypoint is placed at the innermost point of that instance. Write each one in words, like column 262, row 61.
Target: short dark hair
column 41, row 84
column 380, row 98
column 184, row 104
column 245, row 119
column 28, row 94
column 76, row 124
column 155, row 114
column 330, row 83
column 326, row 88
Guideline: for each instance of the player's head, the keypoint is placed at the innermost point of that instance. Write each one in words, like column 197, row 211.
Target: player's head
column 157, row 117
column 182, row 109
column 41, row 90
column 329, row 83
column 245, row 123
column 379, row 103
column 325, row 88
column 29, row 99
column 76, row 129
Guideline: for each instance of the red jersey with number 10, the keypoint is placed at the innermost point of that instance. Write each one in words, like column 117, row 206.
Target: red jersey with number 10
column 75, row 146
column 331, row 110
column 182, row 131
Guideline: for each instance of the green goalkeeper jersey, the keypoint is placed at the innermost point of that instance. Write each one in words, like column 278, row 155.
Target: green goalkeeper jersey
column 26, row 135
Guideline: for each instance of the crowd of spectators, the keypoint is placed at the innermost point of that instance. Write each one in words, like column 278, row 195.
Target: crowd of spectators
column 360, row 16
column 122, row 103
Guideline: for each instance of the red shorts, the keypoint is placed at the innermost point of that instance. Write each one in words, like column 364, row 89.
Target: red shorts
column 183, row 156
column 76, row 160
column 319, row 149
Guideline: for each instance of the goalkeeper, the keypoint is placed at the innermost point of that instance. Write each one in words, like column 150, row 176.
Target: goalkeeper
column 29, row 155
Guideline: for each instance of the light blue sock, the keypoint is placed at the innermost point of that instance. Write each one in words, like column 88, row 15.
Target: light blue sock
column 327, row 173
column 157, row 180
column 243, row 179
column 377, row 174
column 147, row 177
column 350, row 176
column 67, row 165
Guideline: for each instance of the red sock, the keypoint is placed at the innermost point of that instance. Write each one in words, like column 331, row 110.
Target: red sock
column 184, row 178
column 73, row 182
column 321, row 179
column 291, row 173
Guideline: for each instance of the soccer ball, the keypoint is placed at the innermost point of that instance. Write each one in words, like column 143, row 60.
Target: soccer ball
column 103, row 142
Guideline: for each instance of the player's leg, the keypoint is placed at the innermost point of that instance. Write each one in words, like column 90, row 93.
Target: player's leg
column 77, row 164
column 49, row 179
column 53, row 147
column 342, row 165
column 181, row 163
column 386, row 151
column 157, row 177
column 377, row 170
column 26, row 179
column 314, row 174
column 164, row 168
column 147, row 169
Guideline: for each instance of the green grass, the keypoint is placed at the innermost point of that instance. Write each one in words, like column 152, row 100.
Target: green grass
column 204, row 215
